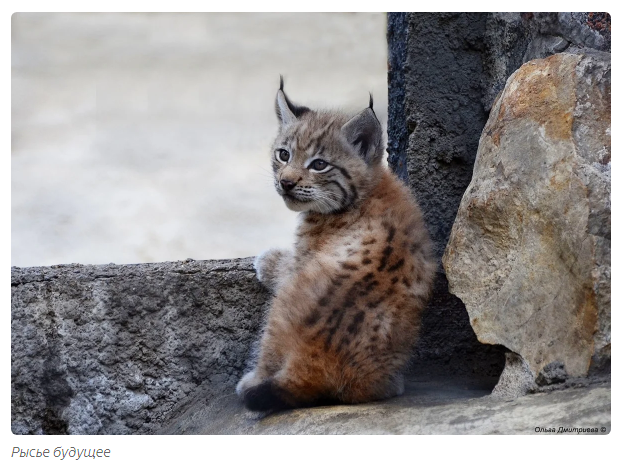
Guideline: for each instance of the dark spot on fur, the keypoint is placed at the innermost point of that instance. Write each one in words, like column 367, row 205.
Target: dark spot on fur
column 397, row 265
column 313, row 318
column 366, row 252
column 324, row 301
column 375, row 304
column 371, row 286
column 394, row 280
column 354, row 327
column 391, row 234
column 349, row 303
column 369, row 241
column 352, row 291
column 352, row 188
column 330, row 335
column 349, row 266
column 366, row 261
column 334, row 315
column 368, row 277
column 338, row 224
column 376, row 327
column 406, row 283
column 386, row 254
column 345, row 341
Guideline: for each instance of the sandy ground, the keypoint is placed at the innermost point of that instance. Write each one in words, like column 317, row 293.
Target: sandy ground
column 145, row 137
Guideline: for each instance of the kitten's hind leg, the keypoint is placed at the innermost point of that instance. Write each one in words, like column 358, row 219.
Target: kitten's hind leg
column 273, row 266
column 270, row 393
column 249, row 379
column 399, row 384
column 394, row 387
column 249, row 389
column 265, row 397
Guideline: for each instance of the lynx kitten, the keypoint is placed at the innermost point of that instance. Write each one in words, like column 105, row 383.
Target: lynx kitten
column 348, row 298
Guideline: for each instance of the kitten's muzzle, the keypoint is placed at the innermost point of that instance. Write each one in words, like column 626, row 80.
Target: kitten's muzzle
column 287, row 185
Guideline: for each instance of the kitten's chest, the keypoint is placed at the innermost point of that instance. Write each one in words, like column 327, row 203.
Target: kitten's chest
column 336, row 239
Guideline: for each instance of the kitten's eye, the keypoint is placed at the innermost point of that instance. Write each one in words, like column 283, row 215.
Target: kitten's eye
column 318, row 165
column 283, row 155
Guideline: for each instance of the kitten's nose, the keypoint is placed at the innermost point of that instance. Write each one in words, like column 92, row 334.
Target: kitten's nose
column 287, row 185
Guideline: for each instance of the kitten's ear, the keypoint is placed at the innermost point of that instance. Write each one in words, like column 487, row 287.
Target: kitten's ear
column 286, row 111
column 364, row 132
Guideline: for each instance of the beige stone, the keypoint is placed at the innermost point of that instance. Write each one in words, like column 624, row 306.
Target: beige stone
column 529, row 253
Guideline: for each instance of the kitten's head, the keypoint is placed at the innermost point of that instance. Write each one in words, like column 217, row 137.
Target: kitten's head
column 323, row 161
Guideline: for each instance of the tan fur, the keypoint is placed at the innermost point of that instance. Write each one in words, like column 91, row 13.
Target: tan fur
column 348, row 298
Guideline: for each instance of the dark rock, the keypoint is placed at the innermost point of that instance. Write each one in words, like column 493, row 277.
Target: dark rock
column 396, row 123
column 435, row 120
column 512, row 39
column 552, row 373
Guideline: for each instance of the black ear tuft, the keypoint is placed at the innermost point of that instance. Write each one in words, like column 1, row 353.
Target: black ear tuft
column 287, row 111
column 371, row 101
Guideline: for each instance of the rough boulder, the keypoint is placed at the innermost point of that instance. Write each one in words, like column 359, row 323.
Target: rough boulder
column 529, row 253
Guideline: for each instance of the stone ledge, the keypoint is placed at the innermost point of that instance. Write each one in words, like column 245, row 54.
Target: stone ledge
column 429, row 406
column 112, row 349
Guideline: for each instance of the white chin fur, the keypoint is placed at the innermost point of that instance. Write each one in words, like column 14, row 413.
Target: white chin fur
column 308, row 206
column 295, row 205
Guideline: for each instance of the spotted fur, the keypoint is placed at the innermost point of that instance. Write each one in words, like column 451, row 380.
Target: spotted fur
column 348, row 298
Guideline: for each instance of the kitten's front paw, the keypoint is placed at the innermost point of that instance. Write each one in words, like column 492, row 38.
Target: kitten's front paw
column 271, row 266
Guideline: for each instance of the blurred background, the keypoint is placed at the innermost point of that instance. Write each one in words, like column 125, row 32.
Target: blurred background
column 146, row 137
